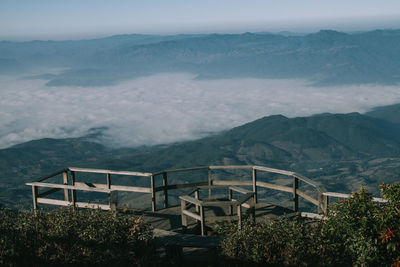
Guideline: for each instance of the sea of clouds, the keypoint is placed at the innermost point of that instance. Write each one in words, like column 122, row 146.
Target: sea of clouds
column 167, row 107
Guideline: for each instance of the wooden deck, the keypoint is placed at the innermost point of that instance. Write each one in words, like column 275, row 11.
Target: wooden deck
column 169, row 219
column 188, row 245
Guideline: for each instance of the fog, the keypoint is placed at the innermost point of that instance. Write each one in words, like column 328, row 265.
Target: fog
column 167, row 107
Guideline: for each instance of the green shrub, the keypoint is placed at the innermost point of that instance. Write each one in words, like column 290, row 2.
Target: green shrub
column 285, row 241
column 66, row 236
column 356, row 231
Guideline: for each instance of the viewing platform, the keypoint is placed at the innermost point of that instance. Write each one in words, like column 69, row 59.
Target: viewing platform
column 183, row 204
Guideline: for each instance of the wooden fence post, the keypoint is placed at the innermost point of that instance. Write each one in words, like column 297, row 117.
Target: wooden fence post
column 108, row 180
column 295, row 196
column 34, row 198
column 255, row 185
column 65, row 181
column 196, row 195
column 239, row 214
column 73, row 193
column 165, row 184
column 209, row 183
column 153, row 194
column 202, row 222
column 183, row 218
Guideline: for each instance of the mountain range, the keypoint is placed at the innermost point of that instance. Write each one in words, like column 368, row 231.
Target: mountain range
column 342, row 151
column 325, row 58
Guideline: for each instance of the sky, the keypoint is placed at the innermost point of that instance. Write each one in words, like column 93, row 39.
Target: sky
column 77, row 19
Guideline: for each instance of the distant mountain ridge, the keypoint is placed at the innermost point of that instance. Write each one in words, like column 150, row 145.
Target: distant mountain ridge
column 325, row 58
column 343, row 151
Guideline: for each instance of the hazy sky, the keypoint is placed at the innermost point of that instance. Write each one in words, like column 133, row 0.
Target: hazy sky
column 63, row 19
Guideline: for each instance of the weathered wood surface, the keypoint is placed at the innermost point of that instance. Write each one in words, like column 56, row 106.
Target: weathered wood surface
column 68, row 203
column 129, row 173
column 124, row 188
column 62, row 186
column 341, row 195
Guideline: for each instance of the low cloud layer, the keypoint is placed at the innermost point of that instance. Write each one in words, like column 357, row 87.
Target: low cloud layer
column 167, row 107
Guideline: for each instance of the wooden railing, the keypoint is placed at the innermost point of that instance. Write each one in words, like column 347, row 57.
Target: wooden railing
column 70, row 186
column 319, row 198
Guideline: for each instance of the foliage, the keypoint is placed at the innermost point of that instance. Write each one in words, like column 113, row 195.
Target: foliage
column 356, row 231
column 285, row 241
column 66, row 236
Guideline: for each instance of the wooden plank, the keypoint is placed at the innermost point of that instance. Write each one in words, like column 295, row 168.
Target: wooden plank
column 73, row 192
column 196, row 196
column 54, row 202
column 77, row 204
column 307, row 197
column 92, row 206
column 275, row 187
column 223, row 167
column 192, row 215
column 311, row 215
column 183, row 216
column 202, row 221
column 109, row 171
column 182, row 170
column 239, row 214
column 65, row 181
column 62, row 186
column 34, row 198
column 108, row 177
column 378, row 199
column 124, row 188
column 334, row 194
column 191, row 200
column 48, row 192
column 180, row 186
column 341, row 195
column 231, row 182
column 240, row 190
column 272, row 170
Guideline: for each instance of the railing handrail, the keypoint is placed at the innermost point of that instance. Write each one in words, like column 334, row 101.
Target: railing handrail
column 103, row 171
column 343, row 195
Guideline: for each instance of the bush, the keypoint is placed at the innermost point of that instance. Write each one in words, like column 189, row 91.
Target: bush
column 356, row 231
column 66, row 236
column 285, row 241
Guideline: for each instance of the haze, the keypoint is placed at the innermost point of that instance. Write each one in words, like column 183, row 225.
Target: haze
column 74, row 19
column 167, row 107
